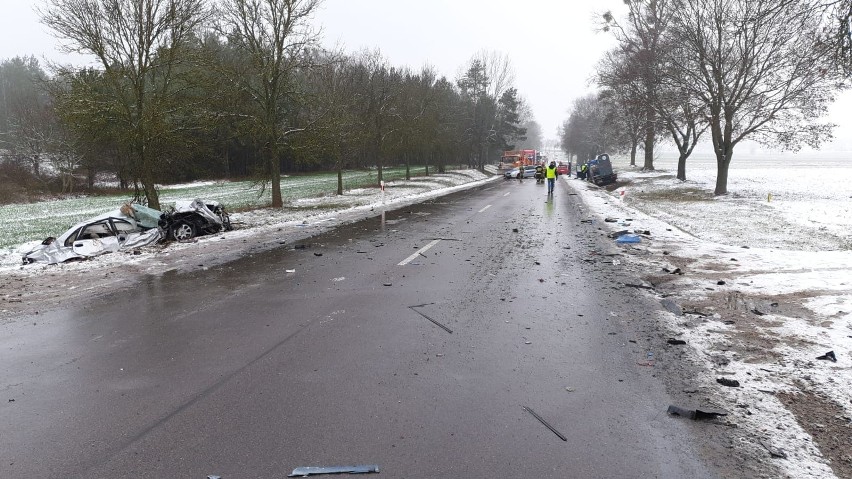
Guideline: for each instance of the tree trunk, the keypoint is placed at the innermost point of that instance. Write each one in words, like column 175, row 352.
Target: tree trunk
column 634, row 145
column 723, row 161
column 339, row 180
column 407, row 167
column 681, row 167
column 148, row 184
column 275, row 176
column 650, row 129
column 649, row 149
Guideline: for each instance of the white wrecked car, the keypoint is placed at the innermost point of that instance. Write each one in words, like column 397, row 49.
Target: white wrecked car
column 129, row 227
column 189, row 219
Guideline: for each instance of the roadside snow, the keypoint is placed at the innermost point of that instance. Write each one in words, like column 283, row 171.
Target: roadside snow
column 772, row 258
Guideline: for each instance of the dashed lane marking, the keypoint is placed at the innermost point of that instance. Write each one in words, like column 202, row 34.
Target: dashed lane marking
column 418, row 253
column 483, row 209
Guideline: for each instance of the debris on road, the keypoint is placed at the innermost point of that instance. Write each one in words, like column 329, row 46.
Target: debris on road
column 289, row 270
column 695, row 414
column 829, row 356
column 413, row 308
column 310, row 470
column 676, row 342
column 731, row 383
column 640, row 286
column 546, row 424
column 774, row 452
column 672, row 307
column 628, row 239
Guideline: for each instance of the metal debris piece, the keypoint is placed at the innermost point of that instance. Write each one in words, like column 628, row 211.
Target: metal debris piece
column 695, row 414
column 640, row 286
column 830, row 356
column 430, row 319
column 310, row 470
column 774, row 452
column 731, row 383
column 676, row 342
column 541, row 420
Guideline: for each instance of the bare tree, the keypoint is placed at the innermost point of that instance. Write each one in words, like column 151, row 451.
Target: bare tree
column 640, row 39
column 139, row 44
column 273, row 36
column 625, row 91
column 759, row 68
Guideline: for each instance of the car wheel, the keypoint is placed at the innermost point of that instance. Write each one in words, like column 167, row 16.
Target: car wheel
column 183, row 231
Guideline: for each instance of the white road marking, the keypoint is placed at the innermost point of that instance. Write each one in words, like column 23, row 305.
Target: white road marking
column 483, row 209
column 419, row 252
column 508, row 193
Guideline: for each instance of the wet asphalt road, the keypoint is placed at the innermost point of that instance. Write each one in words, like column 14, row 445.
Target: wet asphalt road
column 247, row 371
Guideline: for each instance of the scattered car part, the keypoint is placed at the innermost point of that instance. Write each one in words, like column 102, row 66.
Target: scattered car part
column 830, row 356
column 430, row 319
column 546, row 424
column 310, row 470
column 695, row 414
column 731, row 383
column 774, row 452
column 628, row 239
column 676, row 342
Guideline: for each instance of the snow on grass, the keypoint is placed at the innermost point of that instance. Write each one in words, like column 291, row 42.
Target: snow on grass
column 319, row 205
column 36, row 221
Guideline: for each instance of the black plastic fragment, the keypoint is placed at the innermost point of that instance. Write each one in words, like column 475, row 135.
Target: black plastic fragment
column 695, row 414
column 829, row 356
column 436, row 323
column 732, row 383
column 676, row 342
column 546, row 424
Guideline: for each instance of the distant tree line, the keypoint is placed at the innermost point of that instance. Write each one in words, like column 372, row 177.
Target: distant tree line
column 765, row 70
column 191, row 89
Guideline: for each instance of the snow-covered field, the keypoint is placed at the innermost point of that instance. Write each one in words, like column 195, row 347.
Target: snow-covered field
column 767, row 276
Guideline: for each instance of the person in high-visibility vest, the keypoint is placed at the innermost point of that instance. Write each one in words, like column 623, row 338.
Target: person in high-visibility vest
column 550, row 174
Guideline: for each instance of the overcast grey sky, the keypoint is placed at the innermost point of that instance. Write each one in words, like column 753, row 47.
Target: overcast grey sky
column 552, row 44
